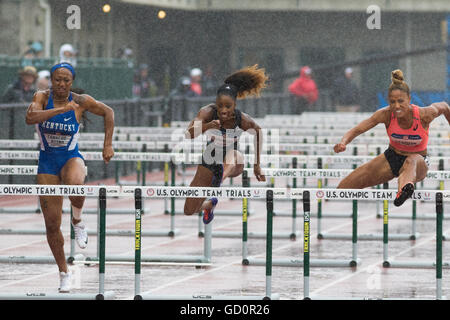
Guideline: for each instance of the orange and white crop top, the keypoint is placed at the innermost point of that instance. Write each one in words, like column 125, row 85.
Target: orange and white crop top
column 414, row 139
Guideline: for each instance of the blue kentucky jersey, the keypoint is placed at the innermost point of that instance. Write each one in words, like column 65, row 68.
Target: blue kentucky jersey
column 60, row 132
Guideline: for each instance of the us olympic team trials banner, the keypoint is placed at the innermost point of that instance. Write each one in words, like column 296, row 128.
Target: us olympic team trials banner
column 203, row 192
column 279, row 193
column 56, row 190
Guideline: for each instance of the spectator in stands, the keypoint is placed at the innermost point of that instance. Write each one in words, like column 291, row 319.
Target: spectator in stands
column 67, row 54
column 22, row 90
column 33, row 51
column 136, row 89
column 304, row 90
column 38, row 49
column 28, row 57
column 146, row 86
column 345, row 93
column 126, row 53
column 43, row 80
column 183, row 89
column 196, row 78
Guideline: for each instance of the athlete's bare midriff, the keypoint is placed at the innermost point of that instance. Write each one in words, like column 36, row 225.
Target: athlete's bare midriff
column 406, row 153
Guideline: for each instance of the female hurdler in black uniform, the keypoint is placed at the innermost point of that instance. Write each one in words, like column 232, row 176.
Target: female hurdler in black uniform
column 224, row 124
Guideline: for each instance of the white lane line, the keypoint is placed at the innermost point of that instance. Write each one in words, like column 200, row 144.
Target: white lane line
column 188, row 278
column 23, row 245
column 28, row 279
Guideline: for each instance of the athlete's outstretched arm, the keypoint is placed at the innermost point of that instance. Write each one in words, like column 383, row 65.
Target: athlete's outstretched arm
column 365, row 125
column 438, row 108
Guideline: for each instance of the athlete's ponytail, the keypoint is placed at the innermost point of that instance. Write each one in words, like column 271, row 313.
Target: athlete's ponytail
column 244, row 82
column 397, row 82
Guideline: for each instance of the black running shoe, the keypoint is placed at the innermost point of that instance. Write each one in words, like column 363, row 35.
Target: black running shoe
column 405, row 193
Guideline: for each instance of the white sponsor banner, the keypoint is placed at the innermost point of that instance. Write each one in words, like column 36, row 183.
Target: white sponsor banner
column 57, row 190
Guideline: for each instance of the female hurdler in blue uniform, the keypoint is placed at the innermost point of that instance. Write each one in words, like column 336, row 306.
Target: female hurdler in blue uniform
column 56, row 113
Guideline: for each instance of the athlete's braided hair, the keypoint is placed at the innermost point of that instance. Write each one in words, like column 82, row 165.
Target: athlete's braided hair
column 244, row 82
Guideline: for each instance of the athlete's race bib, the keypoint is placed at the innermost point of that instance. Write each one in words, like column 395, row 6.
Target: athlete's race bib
column 57, row 140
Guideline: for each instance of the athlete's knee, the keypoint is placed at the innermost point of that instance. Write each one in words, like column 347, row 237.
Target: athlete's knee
column 237, row 170
column 343, row 185
column 239, row 158
column 409, row 161
column 52, row 227
column 351, row 182
column 74, row 172
column 77, row 201
column 75, row 180
column 234, row 158
column 413, row 160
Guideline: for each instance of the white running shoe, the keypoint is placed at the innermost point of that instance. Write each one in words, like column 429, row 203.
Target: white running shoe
column 81, row 235
column 65, row 281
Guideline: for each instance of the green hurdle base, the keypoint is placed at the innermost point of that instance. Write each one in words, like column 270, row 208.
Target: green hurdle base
column 155, row 233
column 219, row 212
column 323, row 215
column 423, row 216
column 255, row 235
column 367, row 237
column 156, row 258
column 28, row 259
column 414, row 264
column 332, row 263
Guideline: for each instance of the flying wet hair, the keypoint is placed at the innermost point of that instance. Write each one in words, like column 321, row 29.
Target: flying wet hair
column 398, row 83
column 245, row 82
column 66, row 65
